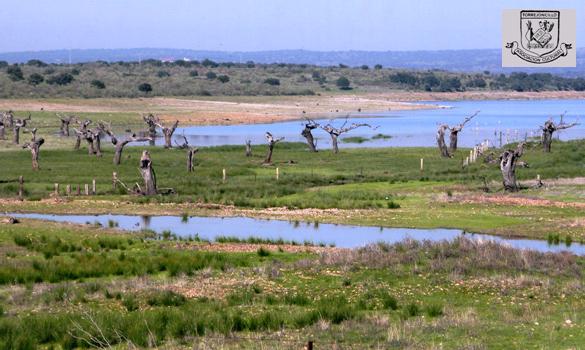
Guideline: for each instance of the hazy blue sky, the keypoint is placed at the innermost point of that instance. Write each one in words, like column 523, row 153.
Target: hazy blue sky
column 250, row 25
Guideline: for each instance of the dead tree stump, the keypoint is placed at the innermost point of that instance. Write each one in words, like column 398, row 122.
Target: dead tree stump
column 508, row 163
column 148, row 175
column 34, row 147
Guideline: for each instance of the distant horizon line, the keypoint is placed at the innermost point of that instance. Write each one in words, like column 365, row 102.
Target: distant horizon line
column 239, row 51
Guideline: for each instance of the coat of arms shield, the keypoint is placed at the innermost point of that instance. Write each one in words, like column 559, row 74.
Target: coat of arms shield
column 539, row 31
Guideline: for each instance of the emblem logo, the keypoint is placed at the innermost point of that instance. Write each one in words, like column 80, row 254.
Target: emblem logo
column 539, row 39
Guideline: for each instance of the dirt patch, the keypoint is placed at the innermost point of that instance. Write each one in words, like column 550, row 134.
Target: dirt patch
column 265, row 109
column 515, row 200
column 252, row 248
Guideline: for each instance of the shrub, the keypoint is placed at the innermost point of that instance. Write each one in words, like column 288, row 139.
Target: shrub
column 263, row 252
column 166, row 298
column 98, row 84
column 14, row 73
column 343, row 83
column 130, row 303
column 36, row 63
column 272, row 81
column 60, row 79
column 35, row 79
column 211, row 75
column 209, row 63
column 223, row 78
column 193, row 73
column 163, row 74
column 145, row 87
column 434, row 310
column 411, row 310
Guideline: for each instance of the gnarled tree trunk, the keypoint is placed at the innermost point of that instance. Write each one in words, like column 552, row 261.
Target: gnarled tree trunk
column 248, row 148
column 2, row 130
column 190, row 157
column 335, row 132
column 151, row 122
column 508, row 163
column 34, row 148
column 549, row 128
column 455, row 130
column 148, row 175
column 168, row 133
column 271, row 142
column 16, row 125
column 307, row 133
column 65, row 121
column 80, row 134
column 441, row 141
column 9, row 119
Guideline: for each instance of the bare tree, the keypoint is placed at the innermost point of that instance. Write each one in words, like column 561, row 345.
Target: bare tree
column 190, row 154
column 271, row 142
column 168, row 132
column 148, row 175
column 336, row 132
column 120, row 144
column 33, row 133
column 508, row 163
column 441, row 140
column 34, row 147
column 248, row 148
column 16, row 125
column 8, row 119
column 307, row 133
column 65, row 121
column 2, row 129
column 455, row 130
column 549, row 128
column 151, row 122
column 80, row 133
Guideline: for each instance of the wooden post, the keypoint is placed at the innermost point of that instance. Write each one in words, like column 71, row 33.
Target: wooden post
column 277, row 174
column 422, row 165
column 224, row 175
column 93, row 188
column 56, row 189
column 114, row 180
column 310, row 345
column 20, row 187
column 471, row 156
column 78, row 190
column 68, row 190
column 87, row 189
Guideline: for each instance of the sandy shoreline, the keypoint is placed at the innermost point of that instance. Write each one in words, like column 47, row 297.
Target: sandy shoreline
column 269, row 109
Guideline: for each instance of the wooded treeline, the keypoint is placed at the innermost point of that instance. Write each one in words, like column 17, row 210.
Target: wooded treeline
column 209, row 78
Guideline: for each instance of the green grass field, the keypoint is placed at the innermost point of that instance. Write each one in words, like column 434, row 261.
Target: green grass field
column 67, row 286
column 385, row 185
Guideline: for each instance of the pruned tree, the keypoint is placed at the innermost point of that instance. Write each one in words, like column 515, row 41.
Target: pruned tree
column 151, row 122
column 34, row 147
column 2, row 128
column 168, row 132
column 148, row 175
column 190, row 153
column 8, row 119
column 33, row 133
column 441, row 140
column 16, row 125
column 65, row 121
column 508, row 163
column 549, row 128
column 80, row 133
column 307, row 133
column 336, row 132
column 248, row 148
column 120, row 144
column 271, row 142
column 455, row 130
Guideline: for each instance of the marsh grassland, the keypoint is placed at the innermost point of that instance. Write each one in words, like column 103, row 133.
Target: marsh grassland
column 65, row 286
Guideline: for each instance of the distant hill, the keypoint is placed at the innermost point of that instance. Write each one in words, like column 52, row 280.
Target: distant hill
column 452, row 60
